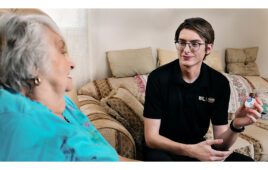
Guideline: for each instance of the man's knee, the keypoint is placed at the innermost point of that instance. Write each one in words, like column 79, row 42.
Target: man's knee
column 238, row 157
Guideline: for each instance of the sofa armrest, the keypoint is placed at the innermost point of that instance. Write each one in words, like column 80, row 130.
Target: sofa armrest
column 116, row 134
column 113, row 131
column 257, row 134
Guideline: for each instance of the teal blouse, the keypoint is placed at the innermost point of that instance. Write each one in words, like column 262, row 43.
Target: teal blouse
column 29, row 131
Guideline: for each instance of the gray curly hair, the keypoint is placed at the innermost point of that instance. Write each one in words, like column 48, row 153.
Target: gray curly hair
column 23, row 49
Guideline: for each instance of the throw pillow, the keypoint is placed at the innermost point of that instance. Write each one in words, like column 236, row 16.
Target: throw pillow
column 242, row 61
column 89, row 105
column 125, row 108
column 130, row 62
column 115, row 134
column 129, row 83
column 214, row 60
column 97, row 89
column 165, row 56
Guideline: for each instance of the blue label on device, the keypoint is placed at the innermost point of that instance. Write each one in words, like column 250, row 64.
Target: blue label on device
column 249, row 99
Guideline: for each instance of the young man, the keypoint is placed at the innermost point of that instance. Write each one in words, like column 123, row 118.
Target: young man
column 182, row 98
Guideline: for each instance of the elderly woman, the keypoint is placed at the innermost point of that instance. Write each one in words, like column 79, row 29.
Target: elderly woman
column 37, row 121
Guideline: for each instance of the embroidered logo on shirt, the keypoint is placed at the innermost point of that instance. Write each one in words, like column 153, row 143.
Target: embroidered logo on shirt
column 206, row 99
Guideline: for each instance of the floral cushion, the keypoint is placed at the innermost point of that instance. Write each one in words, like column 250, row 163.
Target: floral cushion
column 99, row 89
column 240, row 89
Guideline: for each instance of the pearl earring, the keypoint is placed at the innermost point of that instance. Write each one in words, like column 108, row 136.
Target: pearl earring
column 37, row 81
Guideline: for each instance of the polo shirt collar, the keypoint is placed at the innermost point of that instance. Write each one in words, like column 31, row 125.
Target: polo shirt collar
column 201, row 80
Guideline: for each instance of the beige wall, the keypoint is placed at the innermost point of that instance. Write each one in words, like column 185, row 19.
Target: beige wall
column 114, row 29
column 74, row 27
column 263, row 38
column 92, row 32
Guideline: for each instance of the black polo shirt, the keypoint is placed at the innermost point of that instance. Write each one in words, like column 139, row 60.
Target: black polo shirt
column 185, row 109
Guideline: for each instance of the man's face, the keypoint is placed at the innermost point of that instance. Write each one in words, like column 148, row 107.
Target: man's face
column 191, row 48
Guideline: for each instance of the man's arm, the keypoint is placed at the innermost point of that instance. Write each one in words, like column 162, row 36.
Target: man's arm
column 154, row 140
column 226, row 134
column 201, row 151
column 243, row 117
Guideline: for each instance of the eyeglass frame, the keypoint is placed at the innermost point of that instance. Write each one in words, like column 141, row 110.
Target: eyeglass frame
column 190, row 45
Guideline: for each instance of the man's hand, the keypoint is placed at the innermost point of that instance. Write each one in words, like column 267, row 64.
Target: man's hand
column 246, row 116
column 204, row 152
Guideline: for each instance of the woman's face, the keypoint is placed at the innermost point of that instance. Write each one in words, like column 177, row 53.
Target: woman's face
column 58, row 76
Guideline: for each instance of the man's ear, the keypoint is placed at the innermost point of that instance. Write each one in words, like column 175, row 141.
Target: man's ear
column 209, row 48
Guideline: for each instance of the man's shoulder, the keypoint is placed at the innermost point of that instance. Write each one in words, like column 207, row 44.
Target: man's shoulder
column 163, row 71
column 216, row 75
column 217, row 80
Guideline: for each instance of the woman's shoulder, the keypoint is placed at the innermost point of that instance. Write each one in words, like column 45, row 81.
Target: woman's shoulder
column 18, row 110
column 12, row 101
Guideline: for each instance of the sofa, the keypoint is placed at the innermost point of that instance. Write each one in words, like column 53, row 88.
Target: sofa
column 115, row 104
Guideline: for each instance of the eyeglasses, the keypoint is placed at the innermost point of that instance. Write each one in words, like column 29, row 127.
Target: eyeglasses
column 194, row 46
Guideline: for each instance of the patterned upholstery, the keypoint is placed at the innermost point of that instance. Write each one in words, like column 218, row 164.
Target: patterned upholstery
column 115, row 133
column 240, row 89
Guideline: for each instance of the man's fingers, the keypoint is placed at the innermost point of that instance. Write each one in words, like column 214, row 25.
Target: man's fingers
column 258, row 107
column 213, row 142
column 255, row 114
column 222, row 153
column 259, row 101
column 218, row 158
column 253, row 119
